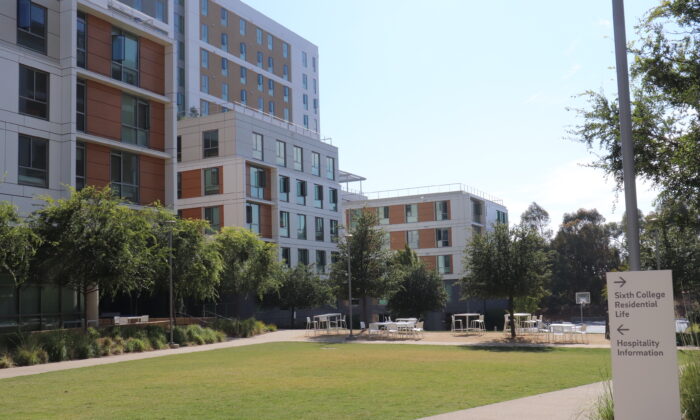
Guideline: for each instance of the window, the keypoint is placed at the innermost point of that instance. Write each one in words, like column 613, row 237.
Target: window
column 269, row 41
column 315, row 106
column 313, row 63
column 224, row 17
column 284, row 224
column 444, row 264
column 330, row 167
column 298, row 158
column 180, row 23
column 180, row 50
column 257, row 182
column 304, row 81
column 442, row 211
column 179, row 148
column 320, row 261
column 213, row 216
column 244, row 97
column 80, row 165
column 306, row 121
column 353, row 216
column 286, row 114
column 257, row 146
column 204, row 59
column 204, row 33
column 31, row 26
column 258, row 36
column 81, row 40
column 125, row 57
column 252, row 217
column 244, row 75
column 125, row 176
column 211, row 181
column 80, row 98
column 260, row 59
column 333, row 198
column 315, row 164
column 305, row 101
column 411, row 213
column 210, row 143
column 301, row 192
column 286, row 256
column 33, row 92
column 270, row 64
column 261, row 104
column 284, row 188
column 204, row 84
column 270, row 87
column 204, row 6
column 181, row 77
column 179, row 185
column 318, row 196
column 135, row 120
column 224, row 42
column 334, row 230
column 285, row 95
column 241, row 26
column 319, row 235
column 224, row 66
column 260, row 82
column 242, row 51
column 442, row 237
column 383, row 215
column 501, row 217
column 203, row 107
column 315, row 88
column 285, row 72
column 33, row 162
column 281, row 154
column 303, row 256
column 285, row 50
column 303, row 59
column 477, row 212
column 412, row 239
column 301, row 226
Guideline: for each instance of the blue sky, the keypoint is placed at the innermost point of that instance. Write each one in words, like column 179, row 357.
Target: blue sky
column 435, row 92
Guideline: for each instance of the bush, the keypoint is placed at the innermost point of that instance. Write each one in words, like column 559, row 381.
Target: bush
column 690, row 387
column 56, row 344
column 29, row 354
column 271, row 327
column 135, row 345
column 246, row 328
column 687, row 339
column 6, row 361
column 83, row 346
column 603, row 407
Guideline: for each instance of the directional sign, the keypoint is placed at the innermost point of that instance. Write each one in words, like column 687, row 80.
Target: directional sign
column 643, row 345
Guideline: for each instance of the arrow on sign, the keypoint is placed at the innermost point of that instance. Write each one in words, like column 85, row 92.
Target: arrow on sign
column 620, row 329
column 621, row 282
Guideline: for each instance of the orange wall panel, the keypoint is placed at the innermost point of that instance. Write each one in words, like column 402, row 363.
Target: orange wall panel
column 151, row 66
column 265, row 221
column 157, row 128
column 397, row 214
column 426, row 238
column 397, row 240
column 97, row 165
column 192, row 213
column 104, row 107
column 99, row 45
column 426, row 212
column 191, row 183
column 152, row 179
column 430, row 261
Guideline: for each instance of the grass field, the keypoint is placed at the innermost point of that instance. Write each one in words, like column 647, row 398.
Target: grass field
column 302, row 380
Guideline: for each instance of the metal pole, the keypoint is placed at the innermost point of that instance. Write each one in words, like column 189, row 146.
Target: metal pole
column 656, row 245
column 623, row 92
column 349, row 290
column 170, row 280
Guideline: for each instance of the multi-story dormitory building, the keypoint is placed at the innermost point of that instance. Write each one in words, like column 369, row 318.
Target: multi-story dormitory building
column 437, row 223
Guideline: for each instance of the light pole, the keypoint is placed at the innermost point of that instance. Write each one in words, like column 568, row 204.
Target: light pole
column 347, row 244
column 170, row 224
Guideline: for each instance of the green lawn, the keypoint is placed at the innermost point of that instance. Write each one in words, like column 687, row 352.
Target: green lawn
column 302, row 380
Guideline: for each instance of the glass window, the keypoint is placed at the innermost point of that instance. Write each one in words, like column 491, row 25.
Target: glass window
column 224, row 42
column 301, row 192
column 204, row 85
column 270, row 64
column 244, row 97
column 204, row 33
column 444, row 264
column 319, row 234
column 315, row 106
column 33, row 162
column 180, row 50
column 477, row 211
column 204, row 58
column 135, row 120
column 353, row 216
column 442, row 210
column 81, row 100
column 284, row 188
column 501, row 217
column 305, row 101
column 213, row 216
column 181, row 77
column 224, row 17
column 211, row 181
column 315, row 164
column 285, row 50
column 304, row 81
column 244, row 75
column 210, row 143
column 81, row 41
column 33, row 92
column 383, row 215
column 313, row 63
column 179, row 186
column 412, row 239
column 241, row 26
column 320, row 261
column 285, row 72
column 306, row 121
column 125, row 176
column 284, row 224
column 180, row 22
column 258, row 146
column 204, row 6
column 224, row 66
column 334, row 230
column 31, row 26
column 242, row 51
column 286, row 114
column 285, row 95
column 253, row 217
column 318, row 196
column 260, row 82
column 442, row 237
column 298, row 158
column 281, row 154
column 257, row 182
column 286, row 256
column 179, row 148
column 224, row 92
column 270, row 87
column 203, row 107
column 125, row 57
column 303, row 59
column 303, row 256
column 258, row 35
column 269, row 41
column 80, row 165
column 411, row 213
column 260, row 59
column 261, row 104
column 333, row 198
column 330, row 167
column 301, row 226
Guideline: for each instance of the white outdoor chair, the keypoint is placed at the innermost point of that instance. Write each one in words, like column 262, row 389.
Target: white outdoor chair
column 457, row 324
column 391, row 329
column 478, row 324
column 311, row 325
column 373, row 329
column 506, row 324
column 418, row 329
column 406, row 329
column 343, row 324
column 581, row 331
column 362, row 325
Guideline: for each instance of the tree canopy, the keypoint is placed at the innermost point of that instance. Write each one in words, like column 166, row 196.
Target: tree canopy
column 419, row 288
column 301, row 288
column 537, row 218
column 18, row 244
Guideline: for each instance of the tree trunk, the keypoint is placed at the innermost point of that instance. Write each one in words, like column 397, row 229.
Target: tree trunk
column 85, row 311
column 511, row 321
column 364, row 310
column 291, row 317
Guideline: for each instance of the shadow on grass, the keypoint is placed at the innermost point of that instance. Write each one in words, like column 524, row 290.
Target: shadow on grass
column 500, row 347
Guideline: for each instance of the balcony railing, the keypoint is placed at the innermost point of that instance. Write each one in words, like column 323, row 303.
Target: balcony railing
column 430, row 189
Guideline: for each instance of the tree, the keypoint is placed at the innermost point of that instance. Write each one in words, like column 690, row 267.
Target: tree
column 419, row 289
column 506, row 263
column 91, row 241
column 370, row 263
column 665, row 106
column 537, row 218
column 301, row 288
column 18, row 244
column 249, row 264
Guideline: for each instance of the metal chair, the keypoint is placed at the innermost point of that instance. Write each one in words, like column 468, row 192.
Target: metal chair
column 311, row 325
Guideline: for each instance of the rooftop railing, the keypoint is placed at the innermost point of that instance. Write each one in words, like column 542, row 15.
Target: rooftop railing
column 430, row 189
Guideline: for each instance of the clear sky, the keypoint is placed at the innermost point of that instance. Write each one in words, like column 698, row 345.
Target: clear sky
column 436, row 92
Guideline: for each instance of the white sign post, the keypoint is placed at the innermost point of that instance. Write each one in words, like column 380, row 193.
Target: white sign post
column 643, row 345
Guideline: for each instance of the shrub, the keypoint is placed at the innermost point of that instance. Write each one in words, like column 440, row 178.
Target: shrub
column 117, row 346
column 134, row 345
column 180, row 336
column 690, row 386
column 195, row 334
column 687, row 339
column 156, row 336
column 56, row 344
column 6, row 361
column 246, row 328
column 29, row 354
column 271, row 327
column 82, row 346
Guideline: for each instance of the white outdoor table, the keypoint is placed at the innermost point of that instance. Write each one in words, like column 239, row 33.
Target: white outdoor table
column 466, row 317
column 327, row 319
column 518, row 321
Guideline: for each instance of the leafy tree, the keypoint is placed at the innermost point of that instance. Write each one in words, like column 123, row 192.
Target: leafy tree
column 370, row 264
column 301, row 288
column 506, row 263
column 91, row 241
column 18, row 244
column 249, row 264
column 665, row 105
column 582, row 255
column 537, row 218
column 420, row 289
